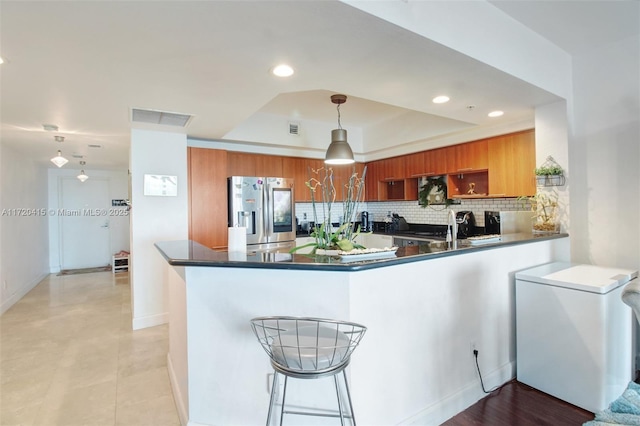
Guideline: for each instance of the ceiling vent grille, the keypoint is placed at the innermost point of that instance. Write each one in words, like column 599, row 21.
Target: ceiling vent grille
column 294, row 128
column 160, row 117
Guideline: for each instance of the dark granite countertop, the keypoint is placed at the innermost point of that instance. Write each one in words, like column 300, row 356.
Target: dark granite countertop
column 191, row 253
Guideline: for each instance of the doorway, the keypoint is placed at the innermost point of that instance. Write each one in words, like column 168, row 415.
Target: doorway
column 84, row 223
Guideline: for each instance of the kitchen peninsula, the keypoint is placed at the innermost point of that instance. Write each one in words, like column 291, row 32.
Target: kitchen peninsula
column 423, row 311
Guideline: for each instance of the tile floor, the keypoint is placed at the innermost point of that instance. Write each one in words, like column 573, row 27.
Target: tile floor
column 68, row 357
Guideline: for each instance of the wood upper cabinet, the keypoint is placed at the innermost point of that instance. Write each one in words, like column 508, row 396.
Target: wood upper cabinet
column 269, row 165
column 241, row 164
column 393, row 168
column 415, row 164
column 207, row 174
column 374, row 171
column 512, row 161
column 468, row 157
column 300, row 169
column 341, row 177
column 246, row 164
column 435, row 161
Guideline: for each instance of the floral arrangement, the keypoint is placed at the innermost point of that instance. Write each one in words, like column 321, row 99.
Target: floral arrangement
column 544, row 206
column 323, row 196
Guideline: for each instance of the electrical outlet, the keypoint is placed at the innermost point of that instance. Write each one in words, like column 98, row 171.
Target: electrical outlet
column 473, row 346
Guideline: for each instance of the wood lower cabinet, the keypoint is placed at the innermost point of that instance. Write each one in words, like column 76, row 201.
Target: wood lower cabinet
column 512, row 161
column 207, row 173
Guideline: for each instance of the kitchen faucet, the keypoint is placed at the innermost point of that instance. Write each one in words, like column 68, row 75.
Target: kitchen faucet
column 452, row 233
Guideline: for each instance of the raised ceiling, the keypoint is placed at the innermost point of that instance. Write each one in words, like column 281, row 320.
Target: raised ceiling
column 84, row 65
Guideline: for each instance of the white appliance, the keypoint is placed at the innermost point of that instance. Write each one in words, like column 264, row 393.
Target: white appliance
column 574, row 333
column 265, row 206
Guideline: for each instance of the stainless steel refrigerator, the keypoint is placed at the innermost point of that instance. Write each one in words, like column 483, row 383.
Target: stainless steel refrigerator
column 266, row 207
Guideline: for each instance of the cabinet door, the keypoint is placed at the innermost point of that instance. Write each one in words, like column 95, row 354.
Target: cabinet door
column 436, row 161
column 372, row 178
column 207, row 196
column 342, row 175
column 394, row 168
column 469, row 157
column 268, row 165
column 511, row 164
column 415, row 165
column 296, row 169
column 241, row 164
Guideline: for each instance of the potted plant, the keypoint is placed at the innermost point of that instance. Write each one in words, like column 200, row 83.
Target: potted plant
column 433, row 191
column 323, row 195
column 544, row 205
column 549, row 173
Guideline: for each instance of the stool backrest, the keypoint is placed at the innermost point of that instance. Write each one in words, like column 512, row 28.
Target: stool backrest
column 307, row 345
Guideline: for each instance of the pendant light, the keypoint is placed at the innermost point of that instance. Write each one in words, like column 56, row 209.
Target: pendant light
column 59, row 160
column 339, row 151
column 82, row 176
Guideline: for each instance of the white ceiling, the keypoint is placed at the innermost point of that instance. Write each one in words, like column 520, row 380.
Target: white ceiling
column 83, row 65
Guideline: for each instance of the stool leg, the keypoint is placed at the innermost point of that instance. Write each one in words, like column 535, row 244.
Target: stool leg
column 284, row 396
column 335, row 379
column 346, row 385
column 274, row 386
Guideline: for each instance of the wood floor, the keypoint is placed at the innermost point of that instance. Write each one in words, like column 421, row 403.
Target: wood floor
column 516, row 404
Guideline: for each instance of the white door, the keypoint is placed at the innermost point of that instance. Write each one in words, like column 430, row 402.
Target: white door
column 84, row 223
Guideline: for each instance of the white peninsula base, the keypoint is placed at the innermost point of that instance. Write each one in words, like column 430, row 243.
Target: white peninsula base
column 413, row 366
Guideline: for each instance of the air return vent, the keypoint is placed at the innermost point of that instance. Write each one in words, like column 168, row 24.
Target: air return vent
column 159, row 117
column 294, row 128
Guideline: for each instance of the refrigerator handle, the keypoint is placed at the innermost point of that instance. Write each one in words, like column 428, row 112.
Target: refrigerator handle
column 266, row 214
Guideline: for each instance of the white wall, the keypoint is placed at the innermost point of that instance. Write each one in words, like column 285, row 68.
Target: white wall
column 604, row 155
column 153, row 219
column 480, row 30
column 118, row 225
column 23, row 237
column 552, row 139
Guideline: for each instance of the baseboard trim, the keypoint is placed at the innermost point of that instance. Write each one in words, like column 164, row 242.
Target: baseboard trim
column 150, row 321
column 178, row 398
column 22, row 291
column 453, row 404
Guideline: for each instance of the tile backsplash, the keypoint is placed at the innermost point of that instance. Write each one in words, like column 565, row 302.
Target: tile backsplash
column 413, row 213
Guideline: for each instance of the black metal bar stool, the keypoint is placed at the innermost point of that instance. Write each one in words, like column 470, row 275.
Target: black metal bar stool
column 308, row 348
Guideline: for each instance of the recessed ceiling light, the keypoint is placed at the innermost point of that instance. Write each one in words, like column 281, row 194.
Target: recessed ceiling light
column 440, row 99
column 282, row 70
column 496, row 113
column 1, row 60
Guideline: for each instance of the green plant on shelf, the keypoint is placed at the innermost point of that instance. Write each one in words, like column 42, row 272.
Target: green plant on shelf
column 434, row 191
column 549, row 171
column 323, row 196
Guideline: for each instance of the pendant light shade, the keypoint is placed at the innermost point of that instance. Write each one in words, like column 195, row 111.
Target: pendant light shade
column 59, row 160
column 82, row 176
column 339, row 151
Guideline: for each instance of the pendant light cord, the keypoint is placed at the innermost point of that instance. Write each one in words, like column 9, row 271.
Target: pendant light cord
column 339, row 124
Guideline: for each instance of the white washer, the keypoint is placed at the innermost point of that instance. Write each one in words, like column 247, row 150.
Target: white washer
column 574, row 333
